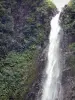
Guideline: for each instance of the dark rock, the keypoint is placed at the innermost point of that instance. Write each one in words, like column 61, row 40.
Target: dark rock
column 67, row 18
column 34, row 90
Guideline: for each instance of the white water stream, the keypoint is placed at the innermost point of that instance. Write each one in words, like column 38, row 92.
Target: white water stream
column 52, row 89
column 52, row 85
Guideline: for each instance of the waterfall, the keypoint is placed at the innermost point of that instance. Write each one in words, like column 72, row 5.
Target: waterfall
column 52, row 89
column 52, row 84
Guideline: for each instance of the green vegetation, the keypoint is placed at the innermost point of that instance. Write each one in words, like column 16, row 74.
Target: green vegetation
column 70, row 62
column 24, row 26
column 50, row 3
column 68, row 18
column 68, row 24
column 72, row 47
column 31, row 27
column 71, row 3
column 17, row 72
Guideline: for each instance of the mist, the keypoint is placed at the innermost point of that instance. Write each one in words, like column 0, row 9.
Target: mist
column 60, row 3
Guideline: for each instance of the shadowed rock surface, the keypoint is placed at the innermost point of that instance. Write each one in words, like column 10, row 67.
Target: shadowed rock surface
column 68, row 46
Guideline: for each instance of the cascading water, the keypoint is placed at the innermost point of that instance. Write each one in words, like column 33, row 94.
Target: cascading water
column 52, row 85
column 52, row 89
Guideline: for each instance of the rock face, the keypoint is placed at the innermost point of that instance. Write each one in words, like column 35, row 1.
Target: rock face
column 68, row 24
column 24, row 31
